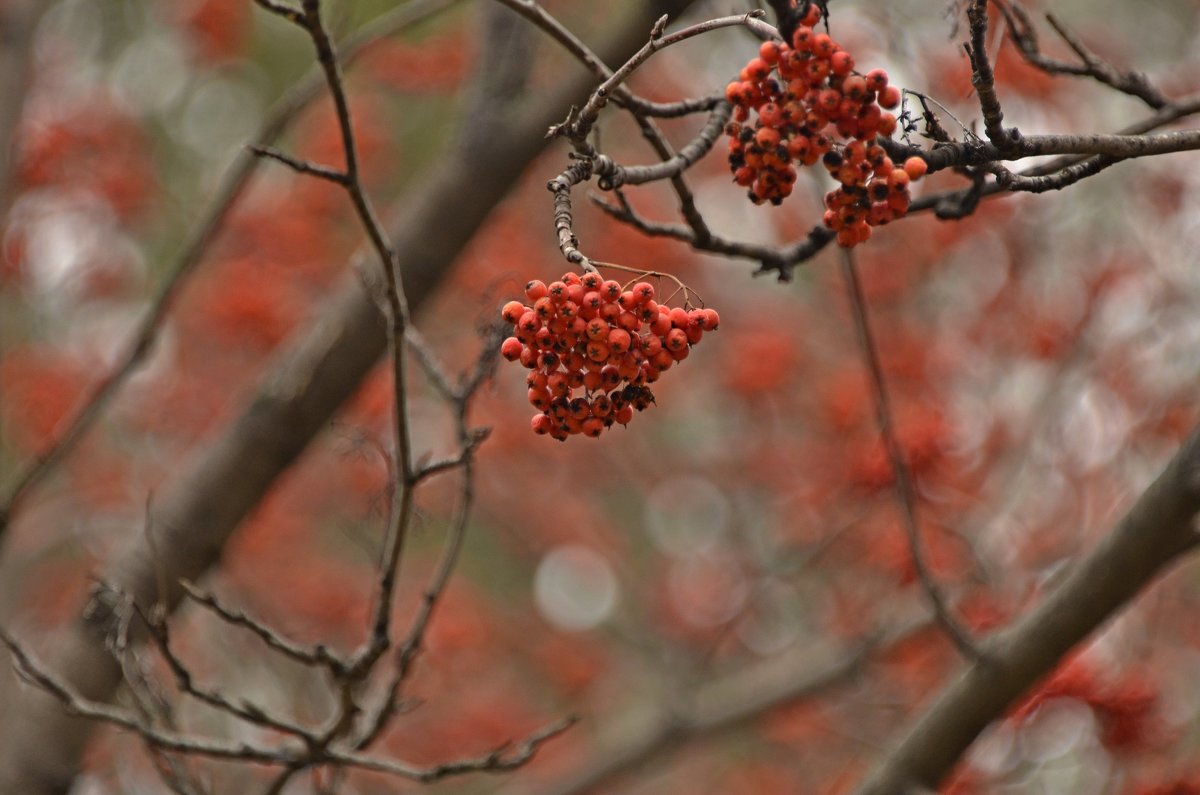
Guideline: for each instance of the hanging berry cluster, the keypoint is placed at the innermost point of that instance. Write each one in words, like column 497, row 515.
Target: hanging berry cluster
column 593, row 347
column 812, row 105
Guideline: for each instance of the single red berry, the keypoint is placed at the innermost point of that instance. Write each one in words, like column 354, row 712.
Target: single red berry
column 540, row 423
column 557, row 292
column 598, row 351
column 915, row 167
column 661, row 324
column 601, row 406
column 877, row 80
column 769, row 52
column 512, row 311
column 511, row 349
column 597, row 329
column 841, row 62
column 629, row 321
column 609, row 377
column 535, row 289
column 544, row 307
column 889, row 97
column 529, row 322
column 676, row 339
column 619, row 341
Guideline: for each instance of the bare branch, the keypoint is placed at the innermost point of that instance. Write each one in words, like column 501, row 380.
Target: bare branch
column 905, row 492
column 612, row 175
column 1157, row 530
column 580, row 127
column 1024, row 35
column 982, row 78
column 315, row 656
column 300, row 166
column 718, row 706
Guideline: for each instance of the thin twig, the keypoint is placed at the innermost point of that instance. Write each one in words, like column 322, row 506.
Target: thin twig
column 314, row 656
column 397, row 310
column 1024, row 35
column 300, row 166
column 905, row 492
column 578, row 128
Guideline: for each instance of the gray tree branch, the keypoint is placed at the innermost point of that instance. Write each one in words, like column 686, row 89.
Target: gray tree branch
column 1158, row 529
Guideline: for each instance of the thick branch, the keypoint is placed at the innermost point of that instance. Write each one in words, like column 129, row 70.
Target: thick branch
column 1159, row 528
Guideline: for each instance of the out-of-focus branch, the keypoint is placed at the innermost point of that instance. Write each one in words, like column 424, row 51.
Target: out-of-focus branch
column 1024, row 35
column 18, row 19
column 906, row 494
column 1157, row 530
column 721, row 705
column 279, row 118
column 303, row 752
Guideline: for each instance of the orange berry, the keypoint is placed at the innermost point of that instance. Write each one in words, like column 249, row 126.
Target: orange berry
column 915, row 167
column 511, row 349
column 767, row 137
column 619, row 341
column 841, row 62
column 770, row 115
column 535, row 289
column 512, row 311
column 598, row 351
column 877, row 80
column 889, row 97
column 769, row 52
column 676, row 338
column 855, row 87
column 643, row 291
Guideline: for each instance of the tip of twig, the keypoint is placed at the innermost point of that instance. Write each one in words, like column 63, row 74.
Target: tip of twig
column 659, row 28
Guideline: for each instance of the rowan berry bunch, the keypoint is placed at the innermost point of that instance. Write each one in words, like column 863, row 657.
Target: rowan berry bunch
column 810, row 104
column 593, row 347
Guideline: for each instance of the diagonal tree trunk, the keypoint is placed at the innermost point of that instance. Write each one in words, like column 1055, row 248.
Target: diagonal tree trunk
column 1157, row 530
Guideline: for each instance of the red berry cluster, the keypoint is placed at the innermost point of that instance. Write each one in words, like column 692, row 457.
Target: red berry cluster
column 811, row 105
column 593, row 347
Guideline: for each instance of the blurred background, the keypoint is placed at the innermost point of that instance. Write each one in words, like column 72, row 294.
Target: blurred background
column 735, row 539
